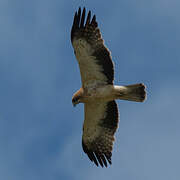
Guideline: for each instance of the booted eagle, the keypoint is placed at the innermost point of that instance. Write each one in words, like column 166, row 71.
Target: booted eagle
column 98, row 93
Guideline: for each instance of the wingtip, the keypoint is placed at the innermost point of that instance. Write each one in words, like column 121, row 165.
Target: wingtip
column 94, row 18
column 94, row 22
column 83, row 18
column 81, row 21
column 88, row 18
column 79, row 12
column 79, row 9
column 97, row 157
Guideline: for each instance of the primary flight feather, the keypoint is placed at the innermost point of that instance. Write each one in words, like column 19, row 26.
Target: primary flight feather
column 98, row 93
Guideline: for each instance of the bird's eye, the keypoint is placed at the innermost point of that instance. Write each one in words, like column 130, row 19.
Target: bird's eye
column 75, row 100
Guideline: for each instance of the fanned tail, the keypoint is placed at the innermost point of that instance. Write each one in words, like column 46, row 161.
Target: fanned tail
column 135, row 92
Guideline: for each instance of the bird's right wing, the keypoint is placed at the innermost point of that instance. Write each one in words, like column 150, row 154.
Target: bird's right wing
column 100, row 124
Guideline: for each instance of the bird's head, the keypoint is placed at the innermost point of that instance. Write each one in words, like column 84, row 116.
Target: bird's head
column 75, row 100
column 77, row 97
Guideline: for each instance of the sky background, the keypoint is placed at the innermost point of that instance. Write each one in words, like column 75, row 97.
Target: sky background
column 40, row 131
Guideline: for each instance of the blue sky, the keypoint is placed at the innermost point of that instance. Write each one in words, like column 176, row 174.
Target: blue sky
column 40, row 131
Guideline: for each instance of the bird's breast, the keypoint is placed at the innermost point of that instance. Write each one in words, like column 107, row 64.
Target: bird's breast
column 101, row 93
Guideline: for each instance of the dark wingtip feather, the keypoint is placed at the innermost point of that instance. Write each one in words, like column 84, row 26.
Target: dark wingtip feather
column 93, row 19
column 92, row 157
column 84, row 9
column 83, row 18
column 79, row 11
column 80, row 21
column 98, row 156
column 104, row 160
column 108, row 157
column 75, row 22
column 93, row 22
column 90, row 154
column 88, row 18
column 79, row 16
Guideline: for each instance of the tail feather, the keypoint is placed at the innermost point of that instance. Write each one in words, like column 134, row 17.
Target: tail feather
column 135, row 92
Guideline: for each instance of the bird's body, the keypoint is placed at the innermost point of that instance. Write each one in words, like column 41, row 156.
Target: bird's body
column 98, row 92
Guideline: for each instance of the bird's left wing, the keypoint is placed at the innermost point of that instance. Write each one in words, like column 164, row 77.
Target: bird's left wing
column 100, row 124
column 96, row 66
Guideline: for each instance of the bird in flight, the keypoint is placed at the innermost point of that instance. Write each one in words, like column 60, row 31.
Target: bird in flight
column 98, row 92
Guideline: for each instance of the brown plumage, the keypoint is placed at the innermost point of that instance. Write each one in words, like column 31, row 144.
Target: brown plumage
column 90, row 33
column 98, row 93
